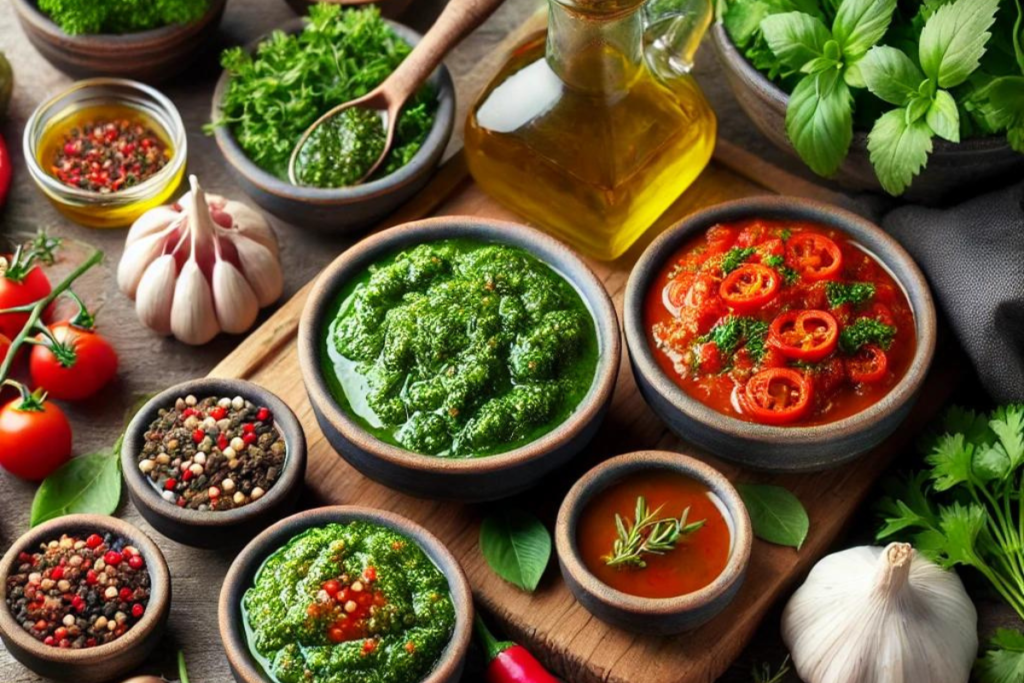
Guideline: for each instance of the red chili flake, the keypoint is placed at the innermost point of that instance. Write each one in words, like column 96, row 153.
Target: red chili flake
column 369, row 646
column 410, row 647
column 263, row 414
column 107, row 156
column 138, row 610
column 94, row 541
column 112, row 557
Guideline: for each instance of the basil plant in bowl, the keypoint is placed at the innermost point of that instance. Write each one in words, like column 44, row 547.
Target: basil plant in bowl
column 878, row 92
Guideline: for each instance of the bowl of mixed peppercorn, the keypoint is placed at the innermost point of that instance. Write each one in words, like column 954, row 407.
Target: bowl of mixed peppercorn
column 212, row 462
column 85, row 598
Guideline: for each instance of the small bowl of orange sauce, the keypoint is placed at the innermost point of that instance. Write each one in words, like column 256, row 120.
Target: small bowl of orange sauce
column 654, row 542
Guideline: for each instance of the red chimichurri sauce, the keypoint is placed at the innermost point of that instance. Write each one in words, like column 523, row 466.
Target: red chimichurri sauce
column 780, row 323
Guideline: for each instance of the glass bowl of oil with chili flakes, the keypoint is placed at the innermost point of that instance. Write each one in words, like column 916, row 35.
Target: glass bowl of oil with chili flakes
column 106, row 150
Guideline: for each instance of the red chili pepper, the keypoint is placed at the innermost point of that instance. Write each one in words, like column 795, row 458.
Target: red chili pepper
column 508, row 662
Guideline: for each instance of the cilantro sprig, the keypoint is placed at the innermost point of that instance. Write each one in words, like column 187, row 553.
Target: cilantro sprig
column 866, row 331
column 734, row 332
column 736, row 257
column 853, row 293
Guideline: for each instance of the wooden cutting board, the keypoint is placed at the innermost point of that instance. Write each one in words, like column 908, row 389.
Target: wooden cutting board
column 550, row 622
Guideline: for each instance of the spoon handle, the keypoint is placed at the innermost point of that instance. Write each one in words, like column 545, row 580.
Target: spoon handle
column 459, row 18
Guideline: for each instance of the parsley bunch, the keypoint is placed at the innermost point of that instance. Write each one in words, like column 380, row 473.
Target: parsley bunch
column 77, row 17
column 274, row 96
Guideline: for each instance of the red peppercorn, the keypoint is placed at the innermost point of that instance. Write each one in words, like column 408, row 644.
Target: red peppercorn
column 136, row 562
column 125, row 595
column 188, row 412
column 112, row 557
column 138, row 610
column 64, row 644
column 94, row 541
column 42, row 625
column 50, row 640
column 90, row 577
column 90, row 642
column 188, row 475
column 180, row 502
column 198, row 436
column 263, row 414
column 170, row 484
column 222, row 442
column 249, row 438
column 61, row 633
column 248, row 428
column 57, row 573
column 218, row 413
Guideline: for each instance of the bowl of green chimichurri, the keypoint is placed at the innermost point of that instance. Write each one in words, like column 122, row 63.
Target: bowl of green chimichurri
column 459, row 358
column 346, row 593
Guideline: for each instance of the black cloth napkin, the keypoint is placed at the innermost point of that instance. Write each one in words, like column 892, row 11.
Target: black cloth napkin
column 973, row 256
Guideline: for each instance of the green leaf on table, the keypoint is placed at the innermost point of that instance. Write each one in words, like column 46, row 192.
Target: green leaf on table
column 776, row 515
column 953, row 40
column 890, row 75
column 1003, row 662
column 943, row 117
column 86, row 484
column 795, row 38
column 819, row 121
column 898, row 150
column 1000, row 106
column 859, row 24
column 517, row 547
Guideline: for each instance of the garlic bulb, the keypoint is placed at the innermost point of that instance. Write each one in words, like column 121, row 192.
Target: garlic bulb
column 201, row 266
column 881, row 615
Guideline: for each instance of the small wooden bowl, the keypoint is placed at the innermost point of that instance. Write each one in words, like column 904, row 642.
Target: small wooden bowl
column 660, row 616
column 150, row 56
column 466, row 479
column 209, row 529
column 243, row 571
column 790, row 448
column 103, row 662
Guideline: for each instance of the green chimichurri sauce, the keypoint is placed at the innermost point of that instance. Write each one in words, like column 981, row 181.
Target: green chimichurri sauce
column 348, row 603
column 460, row 348
column 342, row 150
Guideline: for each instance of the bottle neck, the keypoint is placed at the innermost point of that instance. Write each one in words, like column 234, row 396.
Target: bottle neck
column 598, row 54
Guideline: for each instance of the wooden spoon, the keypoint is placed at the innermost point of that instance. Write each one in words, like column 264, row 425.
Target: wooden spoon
column 459, row 18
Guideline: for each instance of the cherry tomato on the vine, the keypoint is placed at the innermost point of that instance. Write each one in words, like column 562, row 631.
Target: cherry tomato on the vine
column 20, row 291
column 81, row 364
column 35, row 437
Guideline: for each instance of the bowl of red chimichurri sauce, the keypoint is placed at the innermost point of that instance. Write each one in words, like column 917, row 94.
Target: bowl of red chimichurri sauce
column 454, row 354
column 795, row 327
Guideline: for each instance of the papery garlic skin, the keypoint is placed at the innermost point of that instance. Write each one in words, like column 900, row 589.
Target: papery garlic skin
column 881, row 615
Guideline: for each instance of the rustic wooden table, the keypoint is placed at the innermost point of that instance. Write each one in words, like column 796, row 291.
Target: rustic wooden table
column 150, row 363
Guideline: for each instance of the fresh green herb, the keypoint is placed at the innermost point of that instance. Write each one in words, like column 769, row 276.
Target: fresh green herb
column 647, row 534
column 776, row 514
column 763, row 673
column 733, row 332
column 853, row 293
column 182, row 670
column 517, row 547
column 865, row 331
column 86, row 484
column 735, row 257
column 1003, row 662
column 775, row 261
column 966, row 509
column 274, row 96
column 789, row 275
column 785, row 234
column 76, row 17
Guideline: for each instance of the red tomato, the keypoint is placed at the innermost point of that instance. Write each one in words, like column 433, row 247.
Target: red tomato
column 34, row 440
column 33, row 287
column 814, row 256
column 868, row 365
column 778, row 396
column 84, row 365
column 749, row 287
column 720, row 239
column 804, row 335
column 752, row 234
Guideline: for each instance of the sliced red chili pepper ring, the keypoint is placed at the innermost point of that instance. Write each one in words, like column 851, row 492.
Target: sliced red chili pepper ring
column 868, row 365
column 749, row 287
column 814, row 256
column 778, row 396
column 807, row 335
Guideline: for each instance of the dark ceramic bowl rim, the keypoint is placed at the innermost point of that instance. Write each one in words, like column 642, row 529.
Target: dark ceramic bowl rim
column 156, row 608
column 284, row 419
column 444, row 121
column 888, row 251
column 547, row 249
column 620, row 466
column 244, row 568
column 780, row 99
column 29, row 10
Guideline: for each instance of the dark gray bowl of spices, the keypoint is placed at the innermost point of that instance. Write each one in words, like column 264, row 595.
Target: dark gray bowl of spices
column 212, row 462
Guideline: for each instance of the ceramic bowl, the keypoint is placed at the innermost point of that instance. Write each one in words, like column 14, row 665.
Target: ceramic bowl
column 243, row 572
column 659, row 616
column 466, row 479
column 208, row 529
column 347, row 209
column 150, row 56
column 103, row 662
column 790, row 448
column 952, row 170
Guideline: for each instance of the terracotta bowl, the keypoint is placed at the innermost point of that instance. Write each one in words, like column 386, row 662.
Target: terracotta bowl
column 952, row 170
column 347, row 209
column 792, row 448
column 103, row 662
column 388, row 8
column 208, row 529
column 243, row 572
column 151, row 56
column 660, row 616
column 466, row 479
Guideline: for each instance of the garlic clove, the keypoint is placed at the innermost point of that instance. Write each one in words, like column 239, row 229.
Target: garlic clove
column 235, row 301
column 193, row 316
column 250, row 223
column 261, row 269
column 153, row 221
column 136, row 259
column 155, row 294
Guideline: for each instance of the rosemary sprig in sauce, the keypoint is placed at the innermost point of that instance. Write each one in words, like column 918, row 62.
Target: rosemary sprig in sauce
column 647, row 534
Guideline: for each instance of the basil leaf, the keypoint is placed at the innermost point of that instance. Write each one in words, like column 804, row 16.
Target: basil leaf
column 890, row 75
column 88, row 483
column 953, row 40
column 898, row 150
column 517, row 547
column 776, row 514
column 859, row 24
column 943, row 117
column 795, row 38
column 819, row 121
